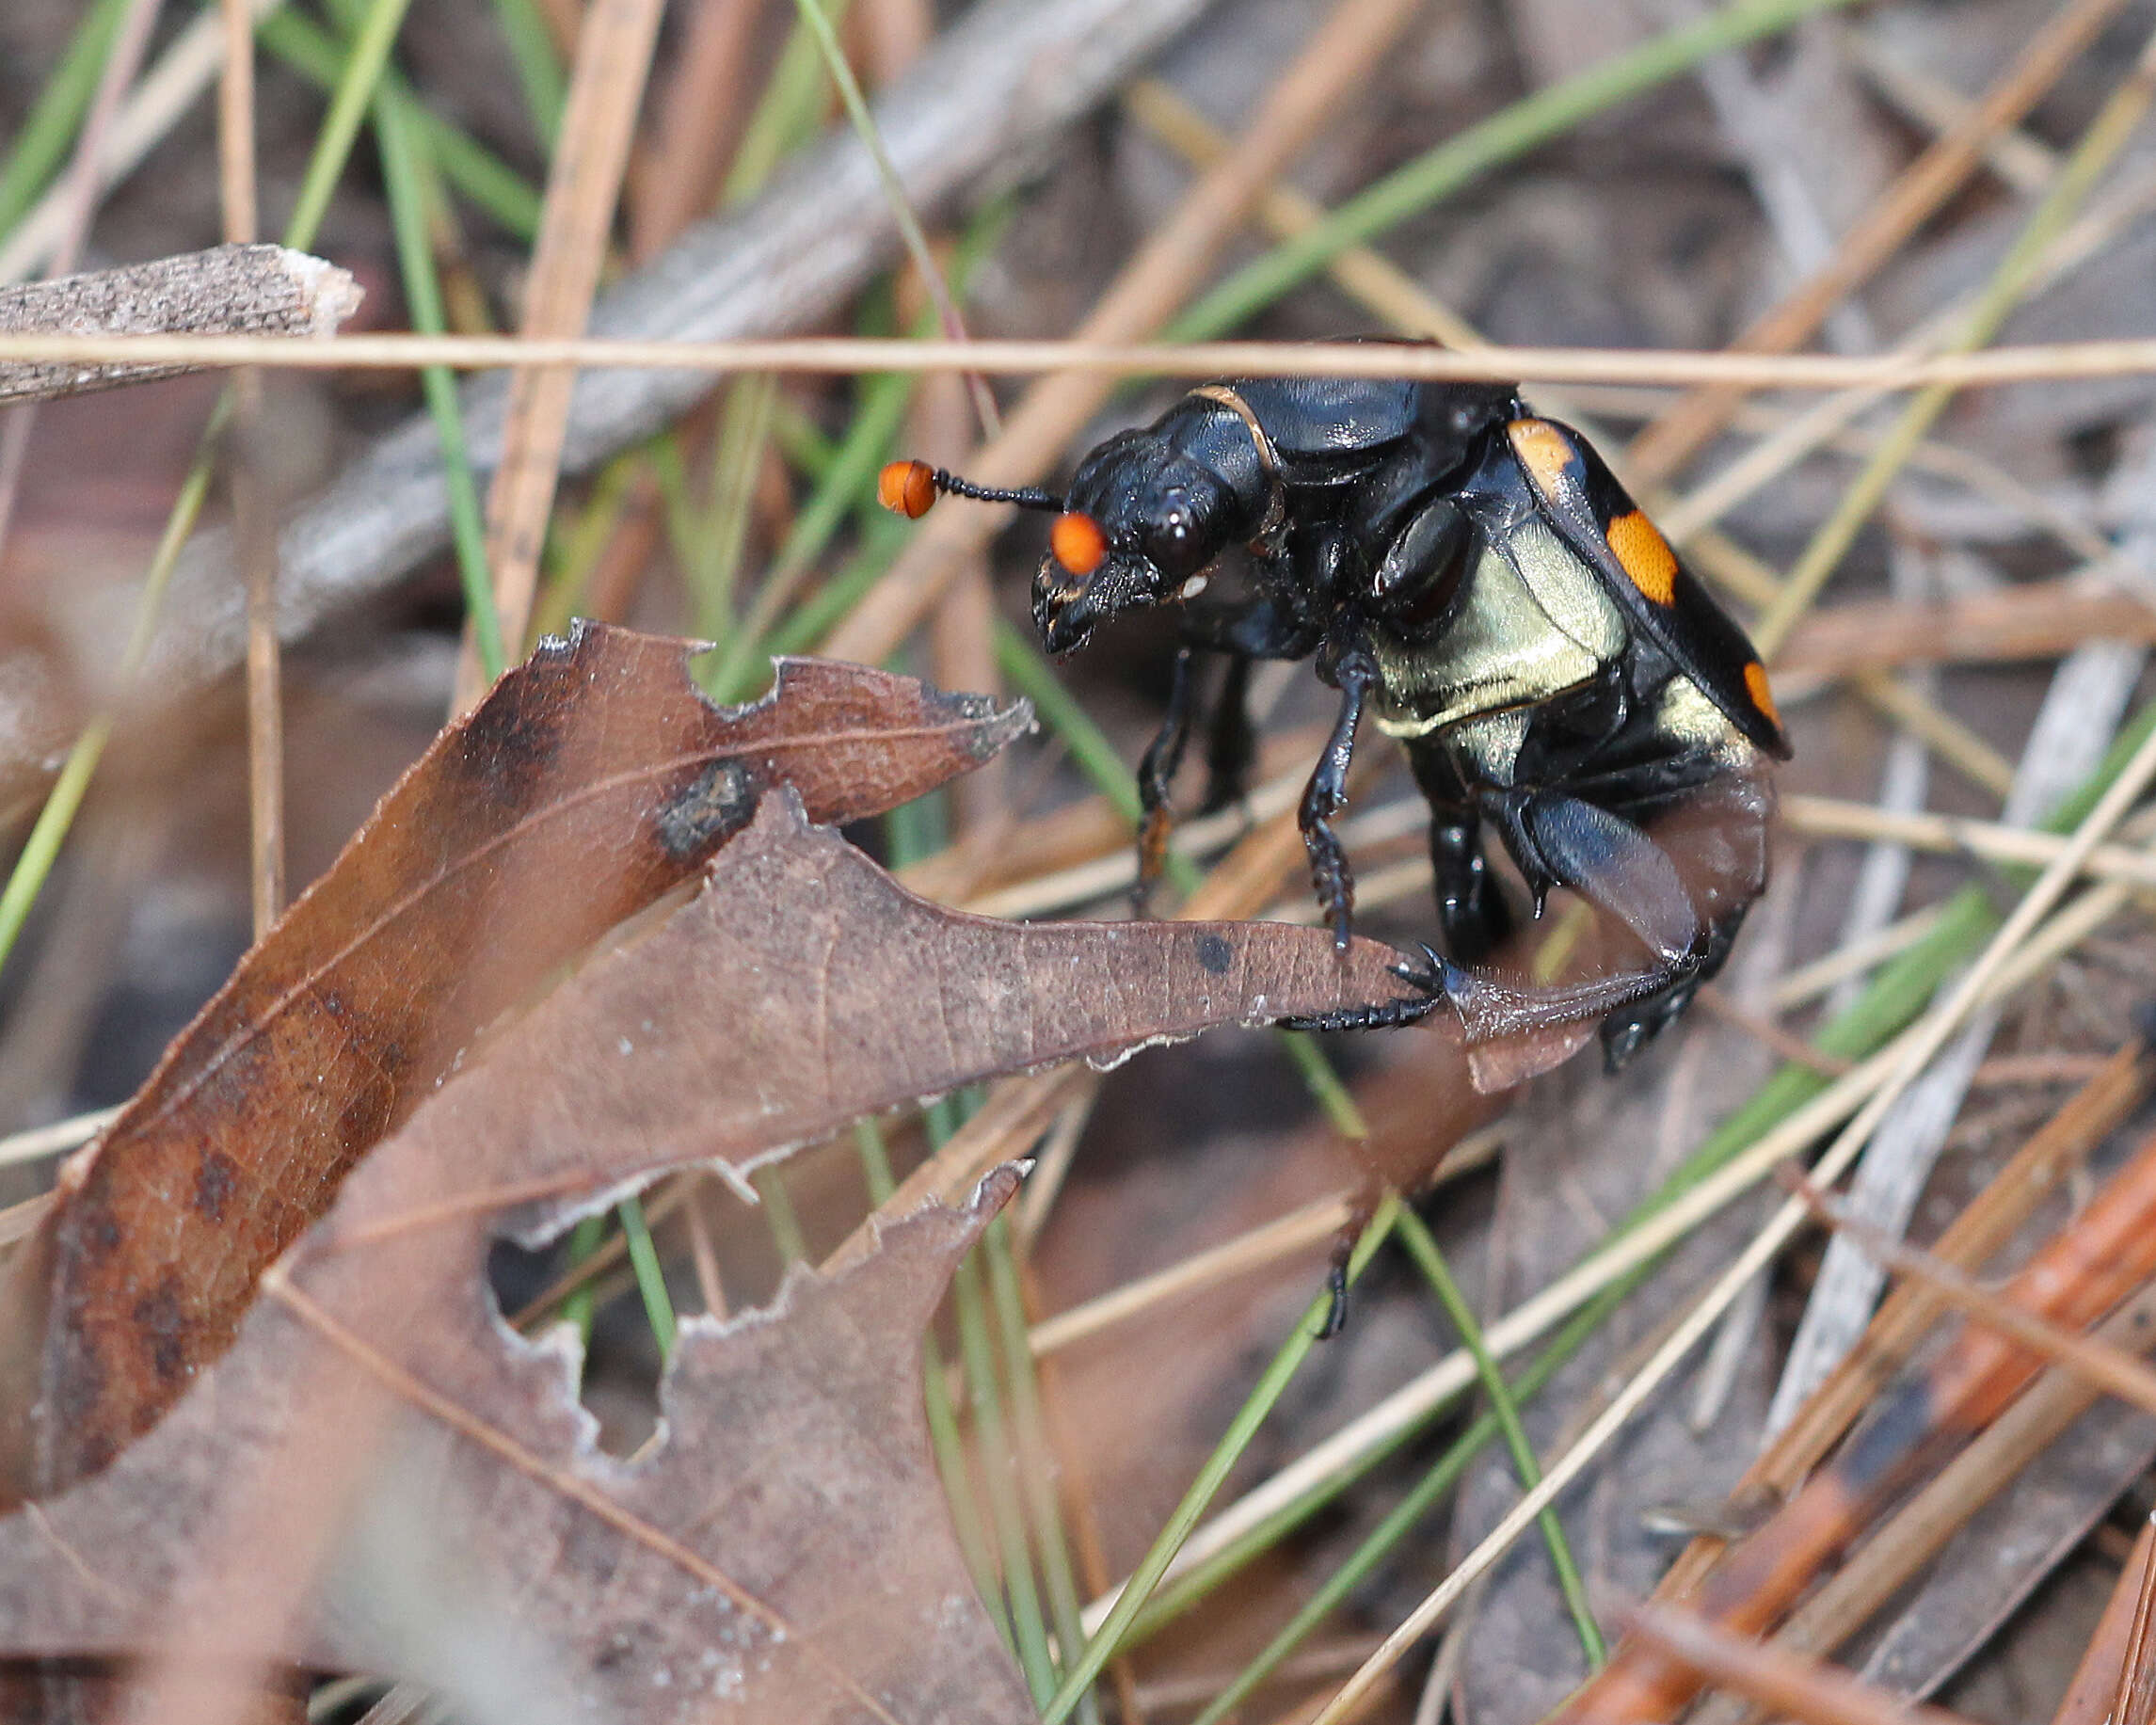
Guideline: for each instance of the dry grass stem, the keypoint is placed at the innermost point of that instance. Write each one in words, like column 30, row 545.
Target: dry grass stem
column 1790, row 1686
column 583, row 185
column 61, row 1135
column 698, row 119
column 1818, row 816
column 255, row 530
column 2021, row 161
column 1104, row 362
column 2105, row 1366
column 1671, row 441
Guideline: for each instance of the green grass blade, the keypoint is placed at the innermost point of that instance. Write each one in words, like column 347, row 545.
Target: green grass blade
column 650, row 1277
column 403, row 172
column 49, row 129
column 365, row 63
column 1080, row 1673
column 477, row 172
column 1423, row 1248
column 540, row 71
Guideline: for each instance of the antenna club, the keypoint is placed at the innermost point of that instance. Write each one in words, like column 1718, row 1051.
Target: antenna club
column 1077, row 542
column 907, row 489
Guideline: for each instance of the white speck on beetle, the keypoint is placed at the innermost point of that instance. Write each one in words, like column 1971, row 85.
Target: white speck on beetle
column 625, row 1045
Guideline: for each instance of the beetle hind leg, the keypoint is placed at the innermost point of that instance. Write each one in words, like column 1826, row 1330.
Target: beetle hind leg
column 1630, row 1028
column 1680, row 892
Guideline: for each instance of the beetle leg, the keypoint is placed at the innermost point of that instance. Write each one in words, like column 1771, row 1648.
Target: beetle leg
column 1682, row 891
column 1231, row 743
column 1471, row 906
column 1156, row 777
column 1630, row 1028
column 1439, row 981
column 1327, row 794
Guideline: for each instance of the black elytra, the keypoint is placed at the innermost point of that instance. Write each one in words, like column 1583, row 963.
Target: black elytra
column 1473, row 580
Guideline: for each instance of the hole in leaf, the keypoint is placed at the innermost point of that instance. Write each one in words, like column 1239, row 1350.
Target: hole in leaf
column 622, row 1362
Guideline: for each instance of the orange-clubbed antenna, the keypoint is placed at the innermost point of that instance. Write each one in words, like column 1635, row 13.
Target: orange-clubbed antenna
column 1077, row 542
column 909, row 488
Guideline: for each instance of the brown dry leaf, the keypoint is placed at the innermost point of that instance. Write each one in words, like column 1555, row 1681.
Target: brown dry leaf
column 782, row 1546
column 593, row 780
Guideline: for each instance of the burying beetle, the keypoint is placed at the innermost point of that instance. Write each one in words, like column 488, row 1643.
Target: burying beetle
column 1475, row 577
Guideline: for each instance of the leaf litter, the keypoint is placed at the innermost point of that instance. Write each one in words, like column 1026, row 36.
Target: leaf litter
column 784, row 1542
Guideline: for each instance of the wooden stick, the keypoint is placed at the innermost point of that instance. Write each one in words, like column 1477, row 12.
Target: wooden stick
column 227, row 291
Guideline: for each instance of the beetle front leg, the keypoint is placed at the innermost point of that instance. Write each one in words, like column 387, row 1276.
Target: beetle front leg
column 1156, row 777
column 1327, row 794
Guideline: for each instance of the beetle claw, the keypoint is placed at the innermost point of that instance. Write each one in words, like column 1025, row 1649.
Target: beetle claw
column 1434, row 977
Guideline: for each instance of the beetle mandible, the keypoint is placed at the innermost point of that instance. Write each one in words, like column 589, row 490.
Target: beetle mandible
column 1472, row 577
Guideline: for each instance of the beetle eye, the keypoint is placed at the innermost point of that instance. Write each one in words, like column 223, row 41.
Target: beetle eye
column 1172, row 542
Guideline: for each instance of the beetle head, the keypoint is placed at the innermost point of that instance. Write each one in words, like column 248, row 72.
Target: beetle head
column 1142, row 524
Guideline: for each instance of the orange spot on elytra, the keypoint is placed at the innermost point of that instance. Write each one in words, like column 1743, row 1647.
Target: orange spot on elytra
column 1077, row 542
column 1761, row 696
column 1543, row 451
column 907, row 489
column 1645, row 557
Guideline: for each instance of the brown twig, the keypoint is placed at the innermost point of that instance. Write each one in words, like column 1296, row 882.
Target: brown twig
column 263, row 295
column 2107, row 1368
column 1775, row 1678
column 254, row 526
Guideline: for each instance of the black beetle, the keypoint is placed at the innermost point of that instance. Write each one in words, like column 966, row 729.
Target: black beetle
column 1474, row 576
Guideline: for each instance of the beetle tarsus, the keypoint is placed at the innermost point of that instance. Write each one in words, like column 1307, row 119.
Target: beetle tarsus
column 1436, row 978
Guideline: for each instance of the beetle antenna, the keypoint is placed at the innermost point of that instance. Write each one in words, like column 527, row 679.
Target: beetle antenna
column 1026, row 497
column 908, row 487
